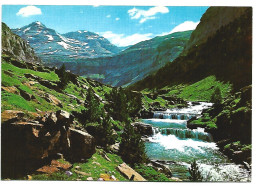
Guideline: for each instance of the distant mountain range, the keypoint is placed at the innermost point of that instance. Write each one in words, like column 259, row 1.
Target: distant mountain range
column 53, row 47
column 88, row 54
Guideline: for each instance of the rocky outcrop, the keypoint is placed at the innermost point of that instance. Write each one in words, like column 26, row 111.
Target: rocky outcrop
column 14, row 46
column 161, row 168
column 82, row 145
column 143, row 129
column 11, row 89
column 128, row 172
column 8, row 116
column 26, row 145
column 53, row 100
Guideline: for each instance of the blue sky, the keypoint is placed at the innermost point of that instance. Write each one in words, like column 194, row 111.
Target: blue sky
column 122, row 25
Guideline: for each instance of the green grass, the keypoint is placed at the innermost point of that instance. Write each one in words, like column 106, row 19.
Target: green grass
column 201, row 90
column 150, row 174
column 12, row 101
column 95, row 166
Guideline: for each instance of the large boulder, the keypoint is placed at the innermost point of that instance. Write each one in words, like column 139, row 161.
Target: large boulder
column 83, row 145
column 128, row 172
column 26, row 145
column 23, row 147
column 143, row 129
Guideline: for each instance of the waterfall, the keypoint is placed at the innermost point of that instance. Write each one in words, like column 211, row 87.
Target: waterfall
column 178, row 116
column 173, row 141
column 197, row 134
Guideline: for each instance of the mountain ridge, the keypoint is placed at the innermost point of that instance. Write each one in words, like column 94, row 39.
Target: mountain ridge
column 52, row 46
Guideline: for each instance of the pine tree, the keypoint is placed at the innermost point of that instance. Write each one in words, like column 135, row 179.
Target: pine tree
column 132, row 148
column 93, row 110
column 105, row 131
column 64, row 76
column 117, row 106
column 194, row 172
column 216, row 96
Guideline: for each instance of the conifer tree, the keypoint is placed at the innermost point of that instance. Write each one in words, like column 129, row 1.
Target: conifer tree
column 105, row 131
column 64, row 77
column 194, row 172
column 132, row 148
column 93, row 111
column 216, row 96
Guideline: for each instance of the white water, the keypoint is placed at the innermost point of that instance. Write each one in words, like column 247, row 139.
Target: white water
column 173, row 141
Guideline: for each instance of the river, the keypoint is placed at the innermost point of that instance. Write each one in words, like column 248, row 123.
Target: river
column 177, row 146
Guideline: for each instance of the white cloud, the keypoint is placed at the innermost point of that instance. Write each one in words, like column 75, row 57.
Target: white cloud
column 108, row 16
column 117, row 19
column 122, row 40
column 29, row 11
column 185, row 26
column 144, row 15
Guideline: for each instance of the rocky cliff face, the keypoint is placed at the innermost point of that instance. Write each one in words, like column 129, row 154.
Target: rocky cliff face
column 223, row 50
column 213, row 19
column 13, row 45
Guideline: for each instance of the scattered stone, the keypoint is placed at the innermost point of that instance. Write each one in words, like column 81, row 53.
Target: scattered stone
column 11, row 89
column 129, row 172
column 115, row 147
column 60, row 155
column 51, row 99
column 27, row 75
column 101, row 179
column 69, row 173
column 96, row 163
column 113, row 178
column 90, row 179
column 175, row 179
column 29, row 177
column 81, row 173
column 77, row 167
column 107, row 177
column 106, row 157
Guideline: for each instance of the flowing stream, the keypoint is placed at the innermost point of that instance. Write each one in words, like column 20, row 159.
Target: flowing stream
column 177, row 146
